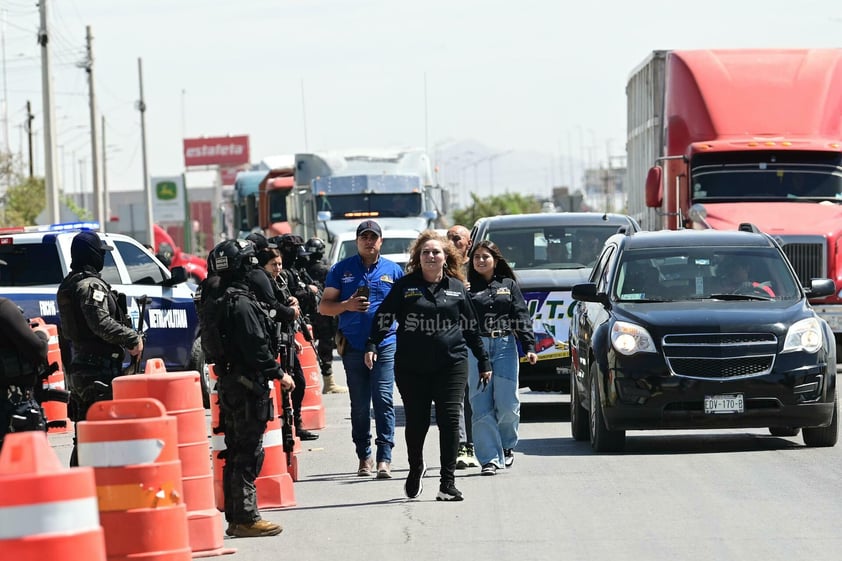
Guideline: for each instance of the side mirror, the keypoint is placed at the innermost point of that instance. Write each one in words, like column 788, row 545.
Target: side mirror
column 178, row 275
column 654, row 187
column 323, row 215
column 430, row 215
column 586, row 292
column 821, row 287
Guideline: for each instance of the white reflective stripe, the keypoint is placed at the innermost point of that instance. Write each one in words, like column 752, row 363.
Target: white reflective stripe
column 74, row 516
column 55, row 385
column 119, row 452
column 53, row 340
column 273, row 438
column 218, row 442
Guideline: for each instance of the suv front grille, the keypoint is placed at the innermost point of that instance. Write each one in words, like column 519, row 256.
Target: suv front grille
column 709, row 356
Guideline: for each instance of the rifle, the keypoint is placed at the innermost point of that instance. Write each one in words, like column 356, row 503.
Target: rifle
column 287, row 344
column 134, row 366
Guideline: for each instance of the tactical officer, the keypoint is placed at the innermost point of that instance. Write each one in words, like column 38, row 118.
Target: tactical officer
column 22, row 353
column 245, row 403
column 324, row 327
column 97, row 325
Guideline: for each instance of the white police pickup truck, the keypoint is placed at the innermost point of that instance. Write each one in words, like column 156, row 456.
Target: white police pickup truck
column 38, row 258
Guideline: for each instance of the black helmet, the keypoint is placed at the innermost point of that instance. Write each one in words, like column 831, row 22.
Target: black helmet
column 315, row 246
column 233, row 256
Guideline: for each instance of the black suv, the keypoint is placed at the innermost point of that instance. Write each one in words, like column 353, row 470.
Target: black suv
column 550, row 252
column 697, row 330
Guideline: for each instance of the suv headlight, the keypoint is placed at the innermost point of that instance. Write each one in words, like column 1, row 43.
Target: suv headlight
column 804, row 335
column 628, row 339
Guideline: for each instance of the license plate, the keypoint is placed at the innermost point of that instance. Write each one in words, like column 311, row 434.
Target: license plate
column 730, row 403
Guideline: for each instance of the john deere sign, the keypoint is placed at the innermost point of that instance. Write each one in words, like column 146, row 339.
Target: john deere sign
column 170, row 201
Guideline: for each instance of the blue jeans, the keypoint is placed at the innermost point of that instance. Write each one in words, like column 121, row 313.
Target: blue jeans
column 496, row 411
column 372, row 389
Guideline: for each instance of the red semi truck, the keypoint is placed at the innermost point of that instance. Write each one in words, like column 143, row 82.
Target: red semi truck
column 717, row 138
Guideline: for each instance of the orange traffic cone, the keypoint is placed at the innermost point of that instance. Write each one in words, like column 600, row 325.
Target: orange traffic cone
column 181, row 394
column 54, row 411
column 274, row 483
column 132, row 446
column 155, row 366
column 312, row 408
column 46, row 510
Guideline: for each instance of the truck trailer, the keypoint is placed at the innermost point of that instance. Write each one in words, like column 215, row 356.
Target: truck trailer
column 717, row 138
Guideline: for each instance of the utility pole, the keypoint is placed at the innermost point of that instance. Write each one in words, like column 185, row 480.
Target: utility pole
column 141, row 106
column 29, row 118
column 88, row 65
column 106, row 206
column 51, row 184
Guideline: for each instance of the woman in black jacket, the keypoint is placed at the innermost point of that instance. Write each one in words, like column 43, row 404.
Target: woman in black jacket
column 504, row 320
column 436, row 326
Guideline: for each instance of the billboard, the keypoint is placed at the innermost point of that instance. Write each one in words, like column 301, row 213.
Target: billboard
column 169, row 200
column 216, row 151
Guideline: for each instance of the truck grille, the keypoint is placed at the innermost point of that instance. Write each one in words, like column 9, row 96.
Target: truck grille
column 711, row 356
column 807, row 255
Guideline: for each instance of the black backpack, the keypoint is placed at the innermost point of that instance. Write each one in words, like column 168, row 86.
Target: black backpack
column 210, row 309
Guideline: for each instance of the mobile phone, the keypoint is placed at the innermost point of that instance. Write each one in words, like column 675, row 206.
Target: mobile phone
column 362, row 291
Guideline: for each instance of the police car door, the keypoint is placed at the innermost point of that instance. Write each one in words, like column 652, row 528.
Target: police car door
column 170, row 321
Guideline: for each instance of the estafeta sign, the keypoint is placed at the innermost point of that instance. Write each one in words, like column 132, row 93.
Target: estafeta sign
column 216, row 151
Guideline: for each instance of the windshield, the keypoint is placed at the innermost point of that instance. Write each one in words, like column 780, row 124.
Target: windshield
column 766, row 176
column 397, row 205
column 277, row 205
column 693, row 273
column 552, row 247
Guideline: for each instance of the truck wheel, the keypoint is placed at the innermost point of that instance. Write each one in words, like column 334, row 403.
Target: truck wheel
column 602, row 439
column 784, row 431
column 821, row 437
column 578, row 414
column 197, row 363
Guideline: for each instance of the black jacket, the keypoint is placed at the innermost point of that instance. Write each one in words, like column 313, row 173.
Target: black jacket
column 500, row 306
column 436, row 325
column 21, row 348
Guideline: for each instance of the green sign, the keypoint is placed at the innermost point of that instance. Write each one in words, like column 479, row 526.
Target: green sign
column 166, row 190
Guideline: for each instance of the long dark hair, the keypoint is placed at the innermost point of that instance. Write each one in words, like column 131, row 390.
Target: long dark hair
column 501, row 266
column 452, row 262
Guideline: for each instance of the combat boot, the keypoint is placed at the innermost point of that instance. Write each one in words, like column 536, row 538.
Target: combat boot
column 254, row 530
column 330, row 386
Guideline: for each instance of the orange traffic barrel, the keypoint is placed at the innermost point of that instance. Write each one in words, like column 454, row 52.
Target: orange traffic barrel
column 54, row 411
column 154, row 366
column 181, row 395
column 312, row 408
column 47, row 511
column 131, row 444
column 274, row 483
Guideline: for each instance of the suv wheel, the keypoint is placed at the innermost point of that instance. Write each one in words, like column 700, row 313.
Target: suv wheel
column 578, row 414
column 197, row 363
column 602, row 439
column 823, row 436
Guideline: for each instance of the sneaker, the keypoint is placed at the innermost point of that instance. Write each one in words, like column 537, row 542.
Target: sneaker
column 365, row 468
column 304, row 434
column 384, row 470
column 470, row 458
column 254, row 530
column 489, row 469
column 509, row 456
column 462, row 456
column 449, row 492
column 413, row 485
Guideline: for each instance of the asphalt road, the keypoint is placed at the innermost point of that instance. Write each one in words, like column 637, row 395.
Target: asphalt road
column 723, row 495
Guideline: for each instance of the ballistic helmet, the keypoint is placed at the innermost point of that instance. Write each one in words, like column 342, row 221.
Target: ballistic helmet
column 233, row 256
column 316, row 247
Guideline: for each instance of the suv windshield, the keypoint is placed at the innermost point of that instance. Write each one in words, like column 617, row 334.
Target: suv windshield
column 693, row 273
column 552, row 247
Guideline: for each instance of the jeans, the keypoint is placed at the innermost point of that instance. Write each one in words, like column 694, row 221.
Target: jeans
column 372, row 389
column 496, row 411
column 445, row 387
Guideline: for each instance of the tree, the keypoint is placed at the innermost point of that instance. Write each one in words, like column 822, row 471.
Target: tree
column 24, row 198
column 509, row 203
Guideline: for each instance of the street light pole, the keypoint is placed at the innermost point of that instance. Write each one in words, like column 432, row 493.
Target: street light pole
column 141, row 106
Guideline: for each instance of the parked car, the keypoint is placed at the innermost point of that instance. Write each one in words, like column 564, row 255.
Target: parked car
column 550, row 252
column 38, row 259
column 668, row 334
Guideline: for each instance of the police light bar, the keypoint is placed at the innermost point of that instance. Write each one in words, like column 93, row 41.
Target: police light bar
column 61, row 227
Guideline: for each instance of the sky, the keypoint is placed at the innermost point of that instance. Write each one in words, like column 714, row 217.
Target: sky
column 540, row 79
